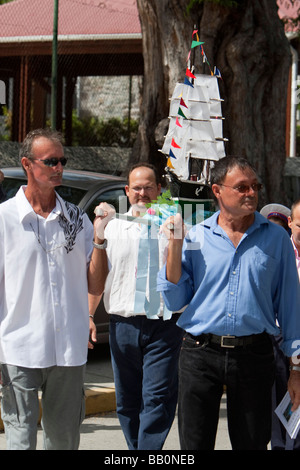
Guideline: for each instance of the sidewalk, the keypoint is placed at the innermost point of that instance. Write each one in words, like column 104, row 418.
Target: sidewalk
column 99, row 383
column 100, row 429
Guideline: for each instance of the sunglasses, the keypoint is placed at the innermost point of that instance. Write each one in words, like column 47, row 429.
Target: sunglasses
column 52, row 161
column 245, row 188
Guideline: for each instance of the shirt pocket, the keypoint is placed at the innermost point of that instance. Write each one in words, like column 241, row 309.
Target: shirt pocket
column 262, row 269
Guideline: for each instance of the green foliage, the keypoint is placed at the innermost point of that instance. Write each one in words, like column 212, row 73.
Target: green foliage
column 164, row 198
column 91, row 131
column 7, row 124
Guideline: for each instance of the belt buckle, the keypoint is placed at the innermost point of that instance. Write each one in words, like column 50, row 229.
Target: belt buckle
column 227, row 345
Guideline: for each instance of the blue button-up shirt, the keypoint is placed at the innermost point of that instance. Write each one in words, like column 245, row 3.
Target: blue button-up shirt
column 239, row 290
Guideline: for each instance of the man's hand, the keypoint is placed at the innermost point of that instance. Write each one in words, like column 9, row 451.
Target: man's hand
column 104, row 213
column 174, row 228
column 93, row 334
column 294, row 388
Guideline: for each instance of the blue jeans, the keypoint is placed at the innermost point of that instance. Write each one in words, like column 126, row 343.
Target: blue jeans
column 145, row 364
column 248, row 374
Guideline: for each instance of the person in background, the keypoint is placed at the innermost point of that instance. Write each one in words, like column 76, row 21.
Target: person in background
column 280, row 440
column 277, row 213
column 45, row 252
column 294, row 224
column 236, row 273
column 144, row 338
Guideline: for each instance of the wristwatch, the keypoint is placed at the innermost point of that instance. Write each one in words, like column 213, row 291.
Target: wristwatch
column 102, row 246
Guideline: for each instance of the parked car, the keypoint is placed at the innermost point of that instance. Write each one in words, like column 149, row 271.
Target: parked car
column 86, row 190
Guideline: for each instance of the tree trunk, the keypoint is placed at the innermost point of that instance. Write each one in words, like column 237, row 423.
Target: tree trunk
column 247, row 43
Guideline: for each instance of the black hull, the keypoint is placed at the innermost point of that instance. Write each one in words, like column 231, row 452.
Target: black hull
column 192, row 193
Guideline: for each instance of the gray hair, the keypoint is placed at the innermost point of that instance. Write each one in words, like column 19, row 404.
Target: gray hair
column 26, row 147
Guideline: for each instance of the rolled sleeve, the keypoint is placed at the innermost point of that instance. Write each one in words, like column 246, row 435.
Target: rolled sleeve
column 176, row 296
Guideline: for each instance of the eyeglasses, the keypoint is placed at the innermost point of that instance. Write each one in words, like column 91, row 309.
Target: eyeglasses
column 52, row 161
column 245, row 188
column 138, row 189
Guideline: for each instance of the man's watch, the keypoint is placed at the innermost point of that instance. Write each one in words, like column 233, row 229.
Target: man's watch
column 297, row 368
column 102, row 246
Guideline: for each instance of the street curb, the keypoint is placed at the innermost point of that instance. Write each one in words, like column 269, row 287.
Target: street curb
column 97, row 400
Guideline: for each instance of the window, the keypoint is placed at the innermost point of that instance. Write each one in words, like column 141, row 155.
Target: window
column 116, row 197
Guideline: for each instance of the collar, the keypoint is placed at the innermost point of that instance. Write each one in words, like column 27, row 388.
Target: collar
column 295, row 249
column 128, row 224
column 212, row 222
column 25, row 209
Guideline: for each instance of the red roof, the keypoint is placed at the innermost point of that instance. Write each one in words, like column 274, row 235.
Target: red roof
column 76, row 17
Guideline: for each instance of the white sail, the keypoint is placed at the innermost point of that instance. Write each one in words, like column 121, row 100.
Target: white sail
column 211, row 83
column 193, row 111
column 196, row 124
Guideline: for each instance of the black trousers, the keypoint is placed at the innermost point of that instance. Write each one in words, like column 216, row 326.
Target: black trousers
column 248, row 374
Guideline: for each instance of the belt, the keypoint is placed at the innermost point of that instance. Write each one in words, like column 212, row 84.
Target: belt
column 229, row 341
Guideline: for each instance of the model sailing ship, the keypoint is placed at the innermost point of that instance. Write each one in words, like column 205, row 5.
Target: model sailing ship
column 195, row 135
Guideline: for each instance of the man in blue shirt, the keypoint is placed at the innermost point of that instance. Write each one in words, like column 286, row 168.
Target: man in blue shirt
column 236, row 274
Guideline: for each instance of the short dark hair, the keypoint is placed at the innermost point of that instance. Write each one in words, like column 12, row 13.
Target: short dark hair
column 224, row 165
column 293, row 207
column 26, row 147
column 144, row 165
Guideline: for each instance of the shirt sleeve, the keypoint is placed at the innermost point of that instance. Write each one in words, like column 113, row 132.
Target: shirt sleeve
column 177, row 296
column 89, row 236
column 287, row 301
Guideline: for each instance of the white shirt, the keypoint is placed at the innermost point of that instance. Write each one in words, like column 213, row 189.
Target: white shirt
column 296, row 256
column 123, row 239
column 43, row 284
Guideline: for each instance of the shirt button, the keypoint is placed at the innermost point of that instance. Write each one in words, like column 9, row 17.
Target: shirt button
column 231, row 293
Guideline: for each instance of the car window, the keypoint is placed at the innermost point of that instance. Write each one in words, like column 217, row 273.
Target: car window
column 73, row 195
column 11, row 186
column 115, row 197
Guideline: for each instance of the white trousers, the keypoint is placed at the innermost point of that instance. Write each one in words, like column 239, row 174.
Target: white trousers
column 63, row 406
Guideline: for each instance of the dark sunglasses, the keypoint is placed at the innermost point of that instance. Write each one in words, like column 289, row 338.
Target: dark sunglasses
column 245, row 188
column 52, row 161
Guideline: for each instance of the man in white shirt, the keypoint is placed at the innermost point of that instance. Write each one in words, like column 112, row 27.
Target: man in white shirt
column 294, row 224
column 46, row 247
column 144, row 338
